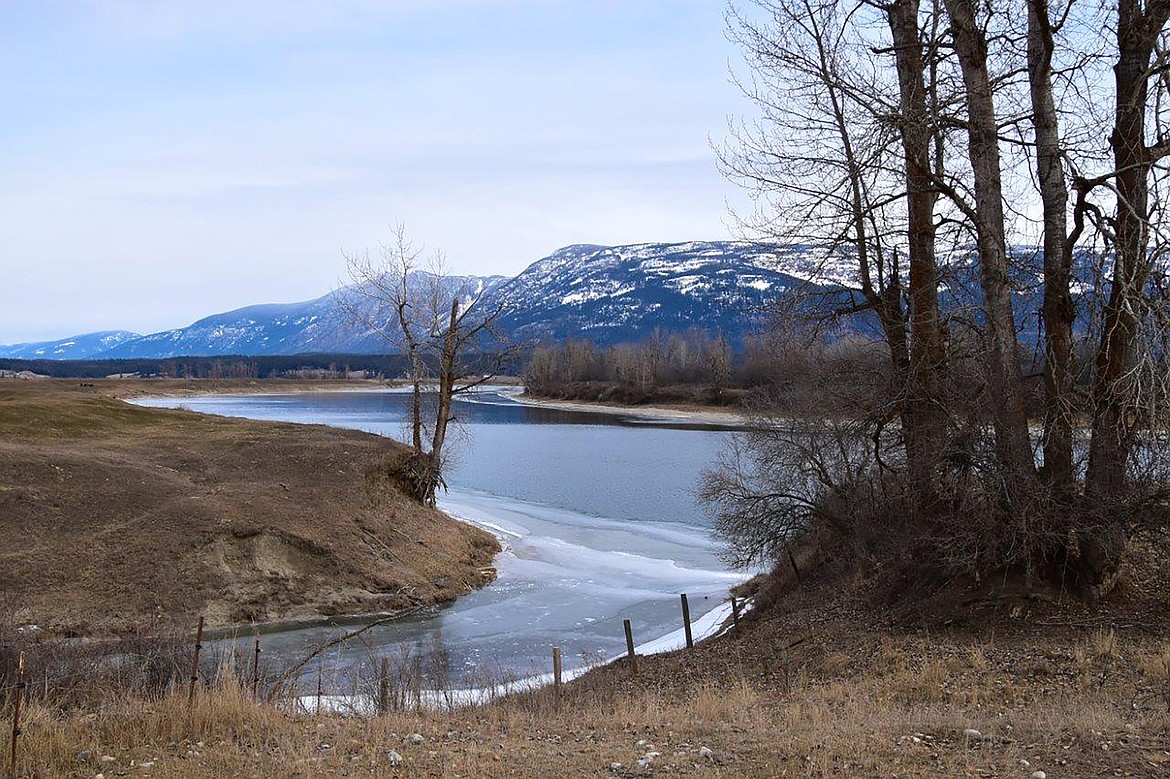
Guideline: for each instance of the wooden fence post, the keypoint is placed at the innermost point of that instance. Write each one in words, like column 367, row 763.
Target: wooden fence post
column 557, row 671
column 195, row 663
column 320, row 684
column 630, row 647
column 686, row 611
column 416, row 673
column 256, row 668
column 735, row 611
column 384, row 686
column 16, row 712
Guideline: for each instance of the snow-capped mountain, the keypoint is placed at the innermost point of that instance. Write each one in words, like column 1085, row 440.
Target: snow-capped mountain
column 79, row 347
column 608, row 294
column 334, row 323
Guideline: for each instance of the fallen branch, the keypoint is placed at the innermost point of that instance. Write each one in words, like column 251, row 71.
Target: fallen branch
column 294, row 670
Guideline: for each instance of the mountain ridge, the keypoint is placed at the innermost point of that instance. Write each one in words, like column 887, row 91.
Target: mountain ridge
column 608, row 294
column 611, row 293
column 76, row 347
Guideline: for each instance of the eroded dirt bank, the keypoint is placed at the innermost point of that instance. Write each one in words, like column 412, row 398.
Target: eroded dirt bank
column 112, row 516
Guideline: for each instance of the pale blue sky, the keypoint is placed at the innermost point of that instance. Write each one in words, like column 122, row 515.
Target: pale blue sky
column 167, row 160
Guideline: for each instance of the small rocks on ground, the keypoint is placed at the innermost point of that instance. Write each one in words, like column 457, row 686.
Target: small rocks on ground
column 707, row 753
column 1039, row 775
column 416, row 738
column 615, row 767
column 84, row 756
column 394, row 758
column 973, row 735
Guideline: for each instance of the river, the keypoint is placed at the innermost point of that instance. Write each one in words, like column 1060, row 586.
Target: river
column 596, row 513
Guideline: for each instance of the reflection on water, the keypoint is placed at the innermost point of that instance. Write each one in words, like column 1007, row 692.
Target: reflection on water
column 597, row 516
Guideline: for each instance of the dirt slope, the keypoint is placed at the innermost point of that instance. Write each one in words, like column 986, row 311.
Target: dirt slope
column 111, row 514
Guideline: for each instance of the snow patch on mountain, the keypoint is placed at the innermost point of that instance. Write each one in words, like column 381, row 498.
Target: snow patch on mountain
column 78, row 347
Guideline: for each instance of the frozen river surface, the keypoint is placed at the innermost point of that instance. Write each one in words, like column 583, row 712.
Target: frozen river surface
column 597, row 517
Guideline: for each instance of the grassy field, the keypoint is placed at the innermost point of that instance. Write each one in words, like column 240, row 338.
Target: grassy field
column 113, row 517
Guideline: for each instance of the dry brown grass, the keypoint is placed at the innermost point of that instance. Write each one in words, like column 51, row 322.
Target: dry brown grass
column 911, row 721
column 776, row 698
column 1102, row 644
column 1155, row 664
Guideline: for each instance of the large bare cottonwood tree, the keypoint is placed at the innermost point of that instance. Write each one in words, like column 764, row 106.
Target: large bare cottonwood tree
column 898, row 132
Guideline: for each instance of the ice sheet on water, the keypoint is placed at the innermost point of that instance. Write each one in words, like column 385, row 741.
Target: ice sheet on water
column 514, row 516
column 555, row 579
column 709, row 625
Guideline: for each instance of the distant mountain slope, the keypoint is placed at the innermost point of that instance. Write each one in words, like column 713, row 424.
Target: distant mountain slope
column 619, row 293
column 608, row 294
column 79, row 347
column 320, row 325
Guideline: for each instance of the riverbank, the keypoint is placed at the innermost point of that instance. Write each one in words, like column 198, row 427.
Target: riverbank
column 181, row 388
column 827, row 678
column 117, row 518
column 189, row 388
column 704, row 415
column 577, row 557
column 821, row 681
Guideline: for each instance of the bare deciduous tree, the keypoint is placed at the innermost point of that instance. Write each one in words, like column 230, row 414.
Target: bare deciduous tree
column 1059, row 312
column 977, row 94
column 440, row 325
column 1003, row 357
column 1138, row 74
column 842, row 160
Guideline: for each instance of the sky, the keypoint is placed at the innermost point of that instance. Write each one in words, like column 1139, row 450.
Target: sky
column 166, row 160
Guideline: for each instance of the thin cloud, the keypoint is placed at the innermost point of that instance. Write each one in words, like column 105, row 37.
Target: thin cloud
column 183, row 159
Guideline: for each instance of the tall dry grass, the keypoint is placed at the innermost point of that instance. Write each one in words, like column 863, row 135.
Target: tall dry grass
column 863, row 728
column 906, row 706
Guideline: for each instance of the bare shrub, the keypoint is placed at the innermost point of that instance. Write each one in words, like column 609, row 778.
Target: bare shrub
column 74, row 673
column 786, row 479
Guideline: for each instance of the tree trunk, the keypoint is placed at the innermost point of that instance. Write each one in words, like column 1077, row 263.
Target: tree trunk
column 1013, row 446
column 416, row 402
column 924, row 421
column 1058, row 308
column 447, row 377
column 884, row 295
column 1109, row 449
column 1113, row 393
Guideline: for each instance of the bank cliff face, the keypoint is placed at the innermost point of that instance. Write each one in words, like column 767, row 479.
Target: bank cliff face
column 113, row 517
